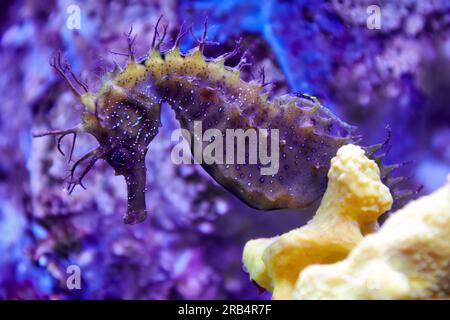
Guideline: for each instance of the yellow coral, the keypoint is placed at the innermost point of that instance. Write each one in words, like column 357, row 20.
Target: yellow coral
column 409, row 258
column 354, row 199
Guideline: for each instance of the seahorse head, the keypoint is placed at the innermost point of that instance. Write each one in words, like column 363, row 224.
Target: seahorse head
column 122, row 123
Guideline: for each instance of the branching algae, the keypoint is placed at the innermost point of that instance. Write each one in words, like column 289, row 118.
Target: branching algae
column 124, row 117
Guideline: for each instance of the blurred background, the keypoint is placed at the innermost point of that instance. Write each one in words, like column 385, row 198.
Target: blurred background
column 191, row 245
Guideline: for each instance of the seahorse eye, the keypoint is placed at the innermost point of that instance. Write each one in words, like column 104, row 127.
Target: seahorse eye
column 120, row 158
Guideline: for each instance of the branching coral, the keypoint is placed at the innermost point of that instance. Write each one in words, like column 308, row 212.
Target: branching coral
column 409, row 258
column 354, row 199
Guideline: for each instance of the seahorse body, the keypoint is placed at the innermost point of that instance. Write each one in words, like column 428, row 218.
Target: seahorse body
column 204, row 90
column 124, row 118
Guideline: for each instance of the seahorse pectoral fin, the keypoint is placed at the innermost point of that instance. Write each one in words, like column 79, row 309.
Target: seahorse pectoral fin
column 136, row 207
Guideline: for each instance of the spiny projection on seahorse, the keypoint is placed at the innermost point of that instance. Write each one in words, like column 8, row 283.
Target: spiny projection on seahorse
column 124, row 117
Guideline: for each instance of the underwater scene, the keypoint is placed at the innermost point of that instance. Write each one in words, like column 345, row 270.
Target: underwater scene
column 176, row 149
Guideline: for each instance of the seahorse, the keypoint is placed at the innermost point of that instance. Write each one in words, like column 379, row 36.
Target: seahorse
column 124, row 117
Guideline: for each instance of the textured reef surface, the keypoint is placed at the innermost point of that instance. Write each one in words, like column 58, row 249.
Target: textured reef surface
column 397, row 76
